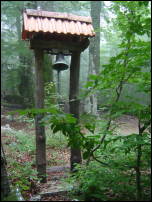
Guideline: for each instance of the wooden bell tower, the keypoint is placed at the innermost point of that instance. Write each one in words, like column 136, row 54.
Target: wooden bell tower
column 53, row 32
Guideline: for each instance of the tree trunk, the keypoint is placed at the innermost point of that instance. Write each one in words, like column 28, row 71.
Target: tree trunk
column 40, row 130
column 94, row 52
column 138, row 165
column 5, row 186
column 94, row 48
column 25, row 69
column 74, row 102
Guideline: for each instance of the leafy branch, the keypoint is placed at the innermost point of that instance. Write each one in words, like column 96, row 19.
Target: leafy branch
column 118, row 90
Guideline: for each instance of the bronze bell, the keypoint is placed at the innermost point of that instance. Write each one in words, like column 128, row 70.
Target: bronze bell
column 60, row 63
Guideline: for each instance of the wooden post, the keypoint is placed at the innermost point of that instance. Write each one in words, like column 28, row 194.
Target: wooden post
column 74, row 102
column 39, row 103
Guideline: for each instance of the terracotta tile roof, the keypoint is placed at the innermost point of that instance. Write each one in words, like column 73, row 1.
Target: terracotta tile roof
column 56, row 23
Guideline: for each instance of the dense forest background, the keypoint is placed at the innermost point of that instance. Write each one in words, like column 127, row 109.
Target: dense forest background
column 18, row 61
column 115, row 86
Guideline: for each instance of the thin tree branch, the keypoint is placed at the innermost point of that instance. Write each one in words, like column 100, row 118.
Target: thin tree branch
column 118, row 92
column 141, row 129
column 95, row 158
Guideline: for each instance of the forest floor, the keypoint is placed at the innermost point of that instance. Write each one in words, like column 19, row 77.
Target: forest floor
column 58, row 158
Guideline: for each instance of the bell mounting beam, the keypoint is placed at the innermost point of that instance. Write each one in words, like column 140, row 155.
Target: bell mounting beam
column 59, row 44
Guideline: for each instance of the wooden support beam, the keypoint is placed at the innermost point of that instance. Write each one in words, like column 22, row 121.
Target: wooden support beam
column 39, row 103
column 61, row 45
column 74, row 101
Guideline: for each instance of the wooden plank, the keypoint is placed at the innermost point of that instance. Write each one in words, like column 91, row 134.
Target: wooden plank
column 59, row 44
column 39, row 103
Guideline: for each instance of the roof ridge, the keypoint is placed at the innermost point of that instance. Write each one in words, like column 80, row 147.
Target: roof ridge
column 66, row 16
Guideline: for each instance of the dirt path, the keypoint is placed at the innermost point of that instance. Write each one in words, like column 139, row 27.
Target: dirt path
column 127, row 125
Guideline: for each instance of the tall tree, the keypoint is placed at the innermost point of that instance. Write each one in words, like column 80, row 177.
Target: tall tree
column 94, row 51
column 128, row 67
column 94, row 48
column 15, row 51
column 5, row 186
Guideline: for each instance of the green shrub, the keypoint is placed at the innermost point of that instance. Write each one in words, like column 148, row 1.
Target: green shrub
column 57, row 140
column 96, row 183
column 23, row 175
column 20, row 146
column 24, row 142
column 14, row 99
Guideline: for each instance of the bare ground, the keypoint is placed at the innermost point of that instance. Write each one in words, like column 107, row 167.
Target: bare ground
column 127, row 125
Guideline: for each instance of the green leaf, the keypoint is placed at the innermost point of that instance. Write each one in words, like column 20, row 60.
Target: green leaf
column 56, row 129
column 86, row 155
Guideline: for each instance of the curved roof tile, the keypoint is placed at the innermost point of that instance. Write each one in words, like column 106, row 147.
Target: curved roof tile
column 52, row 22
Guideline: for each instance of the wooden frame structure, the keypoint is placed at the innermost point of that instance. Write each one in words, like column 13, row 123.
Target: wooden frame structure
column 48, row 31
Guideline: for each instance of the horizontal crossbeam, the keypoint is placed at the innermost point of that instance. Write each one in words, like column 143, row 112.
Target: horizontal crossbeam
column 60, row 45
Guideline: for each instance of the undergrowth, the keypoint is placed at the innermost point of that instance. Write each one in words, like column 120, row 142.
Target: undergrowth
column 20, row 148
column 115, row 181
